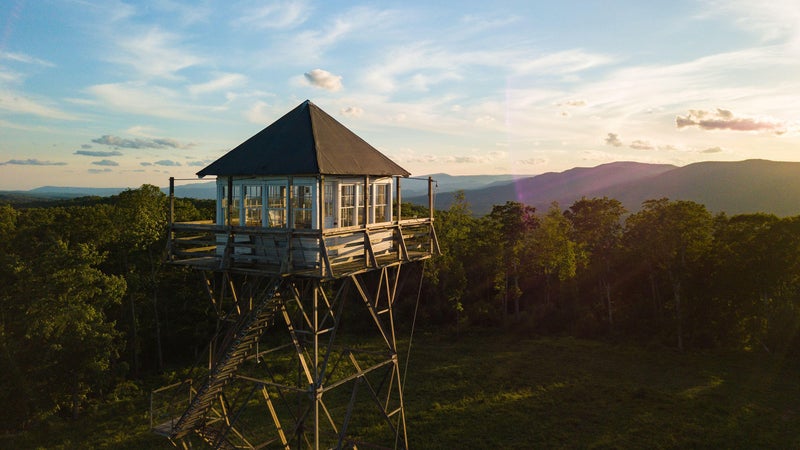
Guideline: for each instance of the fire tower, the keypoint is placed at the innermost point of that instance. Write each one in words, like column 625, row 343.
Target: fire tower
column 308, row 243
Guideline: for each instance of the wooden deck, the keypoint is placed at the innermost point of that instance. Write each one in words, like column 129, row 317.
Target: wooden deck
column 309, row 253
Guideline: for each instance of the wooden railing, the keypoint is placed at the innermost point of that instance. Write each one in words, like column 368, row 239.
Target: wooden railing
column 325, row 254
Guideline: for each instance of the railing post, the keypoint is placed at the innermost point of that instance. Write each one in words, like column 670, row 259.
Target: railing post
column 399, row 201
column 171, row 201
column 430, row 212
column 366, row 200
column 171, row 218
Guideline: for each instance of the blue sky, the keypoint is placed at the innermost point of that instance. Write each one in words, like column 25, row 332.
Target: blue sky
column 116, row 94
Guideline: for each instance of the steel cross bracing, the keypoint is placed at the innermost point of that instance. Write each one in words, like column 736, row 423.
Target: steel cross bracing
column 291, row 373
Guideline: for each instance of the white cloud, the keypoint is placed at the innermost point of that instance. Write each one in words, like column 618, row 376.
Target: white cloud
column 612, row 139
column 19, row 104
column 167, row 163
column 563, row 62
column 138, row 143
column 105, row 162
column 353, row 111
column 258, row 113
column 324, row 80
column 641, row 145
column 140, row 98
column 32, row 162
column 154, row 53
column 722, row 119
column 23, row 58
column 98, row 154
column 222, row 82
column 771, row 21
column 276, row 15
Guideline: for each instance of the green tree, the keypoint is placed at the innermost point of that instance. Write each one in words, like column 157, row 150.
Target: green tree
column 671, row 238
column 553, row 252
column 447, row 273
column 57, row 344
column 510, row 226
column 597, row 230
column 141, row 217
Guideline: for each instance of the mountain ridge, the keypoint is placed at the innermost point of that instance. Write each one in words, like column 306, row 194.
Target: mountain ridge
column 733, row 187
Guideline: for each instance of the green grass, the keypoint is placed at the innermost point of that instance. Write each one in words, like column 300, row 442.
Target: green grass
column 500, row 392
column 485, row 390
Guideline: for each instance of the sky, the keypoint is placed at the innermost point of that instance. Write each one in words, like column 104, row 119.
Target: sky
column 110, row 93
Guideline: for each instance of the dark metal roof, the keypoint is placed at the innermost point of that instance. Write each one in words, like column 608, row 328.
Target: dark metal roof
column 305, row 141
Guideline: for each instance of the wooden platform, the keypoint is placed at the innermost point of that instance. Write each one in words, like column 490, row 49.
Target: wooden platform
column 307, row 253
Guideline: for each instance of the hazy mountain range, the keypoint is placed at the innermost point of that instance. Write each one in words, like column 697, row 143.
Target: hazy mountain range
column 731, row 187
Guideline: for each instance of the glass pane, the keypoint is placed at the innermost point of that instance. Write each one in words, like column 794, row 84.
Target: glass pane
column 360, row 203
column 276, row 206
column 237, row 190
column 301, row 206
column 347, row 208
column 252, row 205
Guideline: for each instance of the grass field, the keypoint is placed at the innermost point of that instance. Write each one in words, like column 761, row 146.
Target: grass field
column 484, row 390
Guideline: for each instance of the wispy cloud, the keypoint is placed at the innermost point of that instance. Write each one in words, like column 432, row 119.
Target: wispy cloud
column 98, row 154
column 23, row 58
column 276, row 15
column 353, row 111
column 31, row 162
column 105, row 162
column 154, row 53
column 563, row 62
column 20, row 104
column 143, row 99
column 258, row 113
column 310, row 45
column 167, row 163
column 722, row 119
column 641, row 145
column 771, row 21
column 220, row 83
column 116, row 141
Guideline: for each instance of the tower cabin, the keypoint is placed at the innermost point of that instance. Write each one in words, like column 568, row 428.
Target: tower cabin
column 304, row 197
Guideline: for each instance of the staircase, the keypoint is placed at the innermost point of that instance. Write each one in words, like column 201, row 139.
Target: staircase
column 237, row 345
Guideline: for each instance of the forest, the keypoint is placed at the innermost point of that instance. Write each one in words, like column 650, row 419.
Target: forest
column 90, row 311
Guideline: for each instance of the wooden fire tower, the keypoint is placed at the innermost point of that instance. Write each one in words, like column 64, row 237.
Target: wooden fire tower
column 308, row 243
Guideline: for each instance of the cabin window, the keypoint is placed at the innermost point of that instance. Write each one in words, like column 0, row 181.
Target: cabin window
column 302, row 204
column 328, row 206
column 276, row 206
column 235, row 205
column 347, row 205
column 381, row 201
column 252, row 205
column 360, row 204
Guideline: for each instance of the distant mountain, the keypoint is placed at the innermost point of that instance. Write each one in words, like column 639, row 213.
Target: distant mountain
column 731, row 187
column 72, row 192
column 204, row 190
column 418, row 186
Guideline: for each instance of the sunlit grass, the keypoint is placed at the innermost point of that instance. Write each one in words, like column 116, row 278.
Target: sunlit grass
column 488, row 390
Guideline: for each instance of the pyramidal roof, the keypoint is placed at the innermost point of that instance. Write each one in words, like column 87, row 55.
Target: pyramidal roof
column 305, row 141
